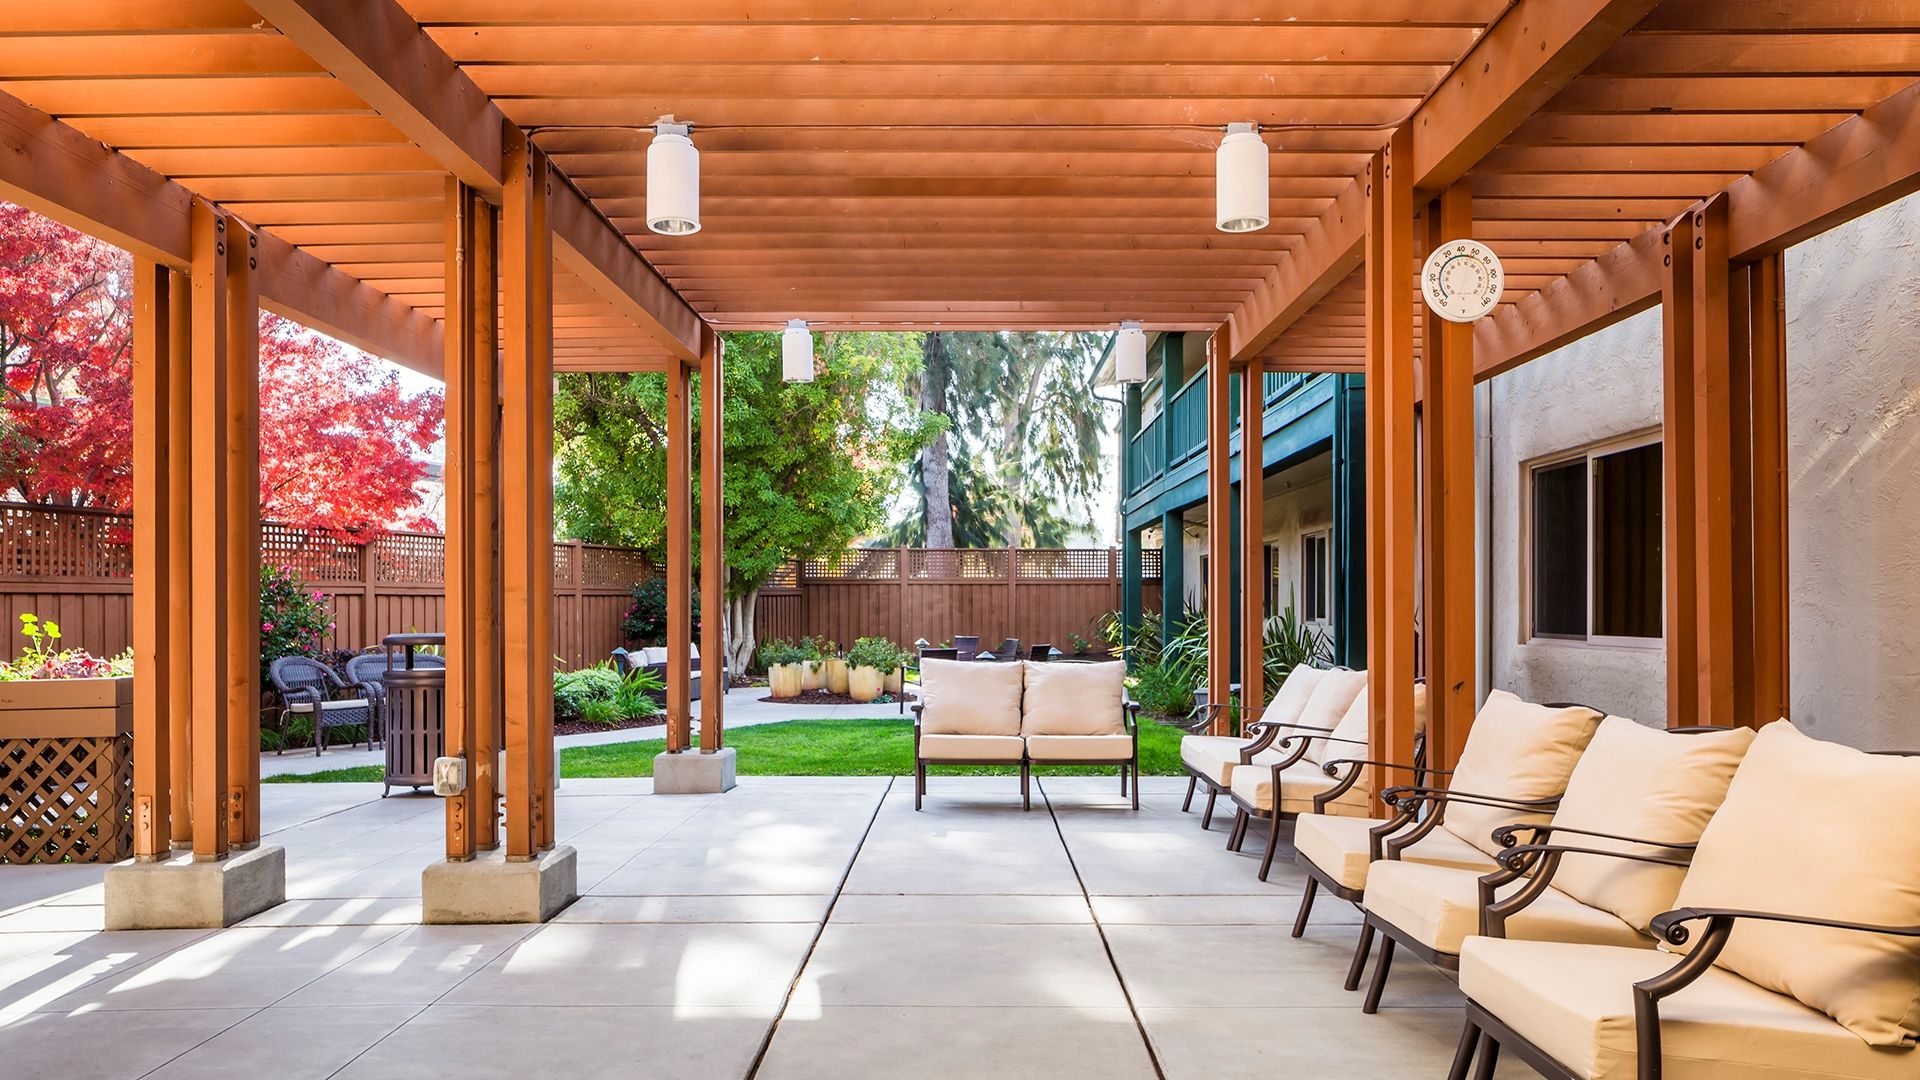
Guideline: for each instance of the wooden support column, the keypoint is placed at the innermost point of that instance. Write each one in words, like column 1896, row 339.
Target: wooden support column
column 213, row 569
column 679, row 557
column 1740, row 474
column 1393, row 521
column 1219, row 532
column 1677, row 460
column 153, row 286
column 472, row 573
column 526, row 492
column 713, row 554
column 1446, row 426
column 1768, row 350
column 1714, row 427
column 242, row 478
column 1253, row 570
column 180, row 554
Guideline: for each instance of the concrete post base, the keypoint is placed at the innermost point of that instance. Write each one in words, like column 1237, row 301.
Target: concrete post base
column 693, row 773
column 181, row 894
column 489, row 889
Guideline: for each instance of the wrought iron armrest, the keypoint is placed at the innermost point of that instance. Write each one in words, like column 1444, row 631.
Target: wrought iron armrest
column 1519, row 857
column 1130, row 716
column 1541, row 861
column 1504, row 836
column 1199, row 718
column 1409, row 796
column 1343, row 784
column 1670, row 926
column 1327, row 766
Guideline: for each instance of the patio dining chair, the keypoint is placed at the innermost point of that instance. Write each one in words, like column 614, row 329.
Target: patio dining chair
column 307, row 687
column 1009, row 649
column 1798, row 917
column 1633, row 789
column 1297, row 706
column 1041, row 653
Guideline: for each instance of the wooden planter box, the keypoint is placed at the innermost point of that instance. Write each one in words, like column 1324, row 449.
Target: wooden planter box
column 66, row 770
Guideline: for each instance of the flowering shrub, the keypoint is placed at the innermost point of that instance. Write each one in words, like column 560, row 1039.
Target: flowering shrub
column 646, row 621
column 293, row 620
column 43, row 659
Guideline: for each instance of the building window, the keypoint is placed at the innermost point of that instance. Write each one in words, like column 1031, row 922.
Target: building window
column 1595, row 544
column 1316, row 592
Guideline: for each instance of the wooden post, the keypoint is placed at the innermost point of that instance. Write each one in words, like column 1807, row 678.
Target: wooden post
column 180, row 554
column 482, row 551
column 1740, row 473
column 1446, row 426
column 526, row 480
column 369, row 599
column 899, row 597
column 242, row 477
column 1677, row 424
column 1253, row 579
column 679, row 557
column 713, row 552
column 1768, row 343
column 152, row 582
column 1219, row 532
column 1712, row 468
column 465, row 533
column 213, row 569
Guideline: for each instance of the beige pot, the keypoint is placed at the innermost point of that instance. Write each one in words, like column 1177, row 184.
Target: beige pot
column 784, row 680
column 837, row 676
column 865, row 683
column 813, row 674
column 897, row 681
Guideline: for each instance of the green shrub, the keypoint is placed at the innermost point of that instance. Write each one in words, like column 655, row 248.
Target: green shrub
column 294, row 621
column 877, row 653
column 633, row 700
column 1164, row 691
column 776, row 651
column 604, row 712
column 573, row 691
column 646, row 621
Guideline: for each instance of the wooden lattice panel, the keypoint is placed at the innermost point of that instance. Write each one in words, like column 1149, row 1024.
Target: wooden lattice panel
column 611, row 567
column 410, row 558
column 315, row 556
column 854, row 564
column 563, row 564
column 957, row 563
column 1150, row 564
column 66, row 543
column 1045, row 564
column 65, row 800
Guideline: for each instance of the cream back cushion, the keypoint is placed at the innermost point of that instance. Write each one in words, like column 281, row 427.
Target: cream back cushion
column 1816, row 828
column 1332, row 696
column 1073, row 699
column 1515, row 750
column 1291, row 699
column 1648, row 783
column 966, row 698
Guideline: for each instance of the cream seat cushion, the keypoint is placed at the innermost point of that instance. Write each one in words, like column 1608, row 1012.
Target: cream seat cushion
column 1339, row 846
column 965, row 698
column 1212, row 756
column 1079, row 747
column 334, row 705
column 1253, row 784
column 1073, row 699
column 1515, row 750
column 1439, row 906
column 1816, row 828
column 972, row 747
column 1332, row 698
column 1646, row 782
column 1576, row 1003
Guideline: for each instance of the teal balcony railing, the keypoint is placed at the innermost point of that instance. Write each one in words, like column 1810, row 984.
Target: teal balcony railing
column 1146, row 455
column 1153, row 451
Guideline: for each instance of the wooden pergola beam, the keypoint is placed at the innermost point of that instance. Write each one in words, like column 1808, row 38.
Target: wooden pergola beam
column 48, row 167
column 1530, row 54
column 382, row 54
column 1861, row 164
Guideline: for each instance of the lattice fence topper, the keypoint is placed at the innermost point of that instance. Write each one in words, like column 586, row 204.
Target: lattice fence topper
column 611, row 567
column 1047, row 564
column 854, row 564
column 962, row 563
column 65, row 800
column 315, row 556
column 1150, row 563
column 65, row 543
column 563, row 564
column 410, row 558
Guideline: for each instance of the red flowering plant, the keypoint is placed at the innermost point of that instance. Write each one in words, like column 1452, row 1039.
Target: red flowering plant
column 44, row 659
column 294, row 620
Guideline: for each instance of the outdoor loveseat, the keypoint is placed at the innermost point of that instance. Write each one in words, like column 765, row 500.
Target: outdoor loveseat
column 1024, row 714
column 654, row 659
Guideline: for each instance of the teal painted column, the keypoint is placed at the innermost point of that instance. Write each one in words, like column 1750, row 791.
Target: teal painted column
column 1171, row 376
column 1130, row 602
column 1239, row 587
column 1350, row 521
column 1173, row 573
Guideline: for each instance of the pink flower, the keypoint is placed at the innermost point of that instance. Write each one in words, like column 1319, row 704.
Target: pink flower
column 266, row 628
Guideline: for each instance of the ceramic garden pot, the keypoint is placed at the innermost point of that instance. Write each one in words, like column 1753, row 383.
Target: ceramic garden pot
column 836, row 676
column 865, row 683
column 784, row 680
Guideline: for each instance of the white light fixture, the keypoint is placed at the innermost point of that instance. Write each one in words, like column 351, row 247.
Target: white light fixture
column 796, row 352
column 673, row 180
column 1130, row 354
column 1240, row 181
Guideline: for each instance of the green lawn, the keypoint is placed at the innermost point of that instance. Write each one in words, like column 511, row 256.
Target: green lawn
column 805, row 748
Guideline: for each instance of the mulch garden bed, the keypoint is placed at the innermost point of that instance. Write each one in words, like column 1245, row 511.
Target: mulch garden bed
column 582, row 727
column 826, row 697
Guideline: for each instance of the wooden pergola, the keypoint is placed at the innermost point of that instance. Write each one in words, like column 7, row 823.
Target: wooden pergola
column 459, row 185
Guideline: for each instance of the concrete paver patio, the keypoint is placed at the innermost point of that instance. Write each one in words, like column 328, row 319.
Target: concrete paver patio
column 795, row 927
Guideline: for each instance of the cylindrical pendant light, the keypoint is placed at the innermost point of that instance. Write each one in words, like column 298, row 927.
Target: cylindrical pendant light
column 673, row 181
column 1130, row 354
column 1240, row 181
column 796, row 352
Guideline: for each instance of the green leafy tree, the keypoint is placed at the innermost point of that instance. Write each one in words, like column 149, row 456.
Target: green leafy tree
column 810, row 467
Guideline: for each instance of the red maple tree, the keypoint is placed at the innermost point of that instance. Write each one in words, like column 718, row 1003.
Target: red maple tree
column 340, row 439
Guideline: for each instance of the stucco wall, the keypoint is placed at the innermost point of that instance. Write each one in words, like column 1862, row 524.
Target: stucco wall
column 1853, row 338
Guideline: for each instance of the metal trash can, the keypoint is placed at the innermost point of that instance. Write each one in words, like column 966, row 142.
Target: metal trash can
column 416, row 709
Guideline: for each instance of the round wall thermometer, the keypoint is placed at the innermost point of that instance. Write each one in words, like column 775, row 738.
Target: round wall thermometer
column 1462, row 280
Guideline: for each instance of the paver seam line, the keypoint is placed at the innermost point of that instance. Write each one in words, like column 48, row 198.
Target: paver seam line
column 1133, row 1010
column 773, row 1029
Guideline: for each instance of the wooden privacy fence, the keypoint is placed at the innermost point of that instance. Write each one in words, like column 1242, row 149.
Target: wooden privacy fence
column 76, row 568
column 1039, row 595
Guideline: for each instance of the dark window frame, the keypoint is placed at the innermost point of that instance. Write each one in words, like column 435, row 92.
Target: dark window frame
column 1594, row 539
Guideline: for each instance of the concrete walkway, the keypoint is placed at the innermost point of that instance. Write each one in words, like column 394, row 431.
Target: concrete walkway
column 794, row 928
column 744, row 709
